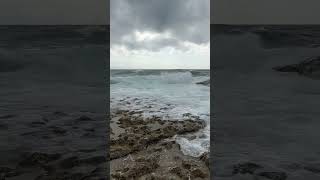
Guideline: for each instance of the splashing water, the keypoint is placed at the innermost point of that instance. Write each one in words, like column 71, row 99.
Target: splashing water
column 169, row 94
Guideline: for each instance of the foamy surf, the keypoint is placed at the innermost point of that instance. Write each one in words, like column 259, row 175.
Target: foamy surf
column 168, row 94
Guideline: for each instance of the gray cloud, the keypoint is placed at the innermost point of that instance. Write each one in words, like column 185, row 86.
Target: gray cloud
column 185, row 20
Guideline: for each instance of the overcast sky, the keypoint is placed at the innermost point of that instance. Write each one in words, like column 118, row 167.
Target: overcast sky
column 160, row 34
column 222, row 11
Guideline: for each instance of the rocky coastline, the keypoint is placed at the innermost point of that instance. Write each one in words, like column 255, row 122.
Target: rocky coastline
column 144, row 148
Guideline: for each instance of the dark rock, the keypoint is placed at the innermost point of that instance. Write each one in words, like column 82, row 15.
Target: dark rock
column 287, row 68
column 141, row 167
column 292, row 166
column 58, row 130
column 197, row 173
column 37, row 123
column 179, row 172
column 273, row 175
column 244, row 168
column 85, row 118
column 314, row 168
column 138, row 135
column 205, row 157
column 309, row 67
column 187, row 165
column 205, row 83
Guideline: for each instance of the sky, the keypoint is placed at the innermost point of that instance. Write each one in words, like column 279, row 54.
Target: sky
column 97, row 11
column 154, row 34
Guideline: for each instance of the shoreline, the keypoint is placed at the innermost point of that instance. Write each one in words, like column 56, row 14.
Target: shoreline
column 144, row 148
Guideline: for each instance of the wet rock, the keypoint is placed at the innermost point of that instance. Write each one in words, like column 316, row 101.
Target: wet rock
column 141, row 167
column 84, row 118
column 139, row 135
column 158, row 177
column 205, row 83
column 287, row 68
column 292, row 166
column 150, row 136
column 187, row 165
column 273, row 175
column 179, row 172
column 89, row 129
column 314, row 168
column 168, row 145
column 245, row 168
column 309, row 67
column 205, row 157
column 197, row 173
column 37, row 123
column 58, row 130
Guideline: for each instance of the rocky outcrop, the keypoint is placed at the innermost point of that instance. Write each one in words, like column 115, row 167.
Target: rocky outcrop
column 309, row 67
column 144, row 148
column 143, row 132
column 205, row 83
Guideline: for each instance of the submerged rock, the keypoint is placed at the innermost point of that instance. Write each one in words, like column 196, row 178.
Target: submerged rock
column 244, row 168
column 309, row 67
column 273, row 175
column 205, row 83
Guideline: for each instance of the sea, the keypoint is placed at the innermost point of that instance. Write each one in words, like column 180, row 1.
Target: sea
column 262, row 116
column 49, row 77
column 168, row 94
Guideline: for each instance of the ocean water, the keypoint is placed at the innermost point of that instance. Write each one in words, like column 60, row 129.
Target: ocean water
column 263, row 116
column 52, row 75
column 169, row 94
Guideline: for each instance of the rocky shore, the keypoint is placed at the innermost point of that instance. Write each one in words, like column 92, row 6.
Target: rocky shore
column 64, row 156
column 144, row 148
